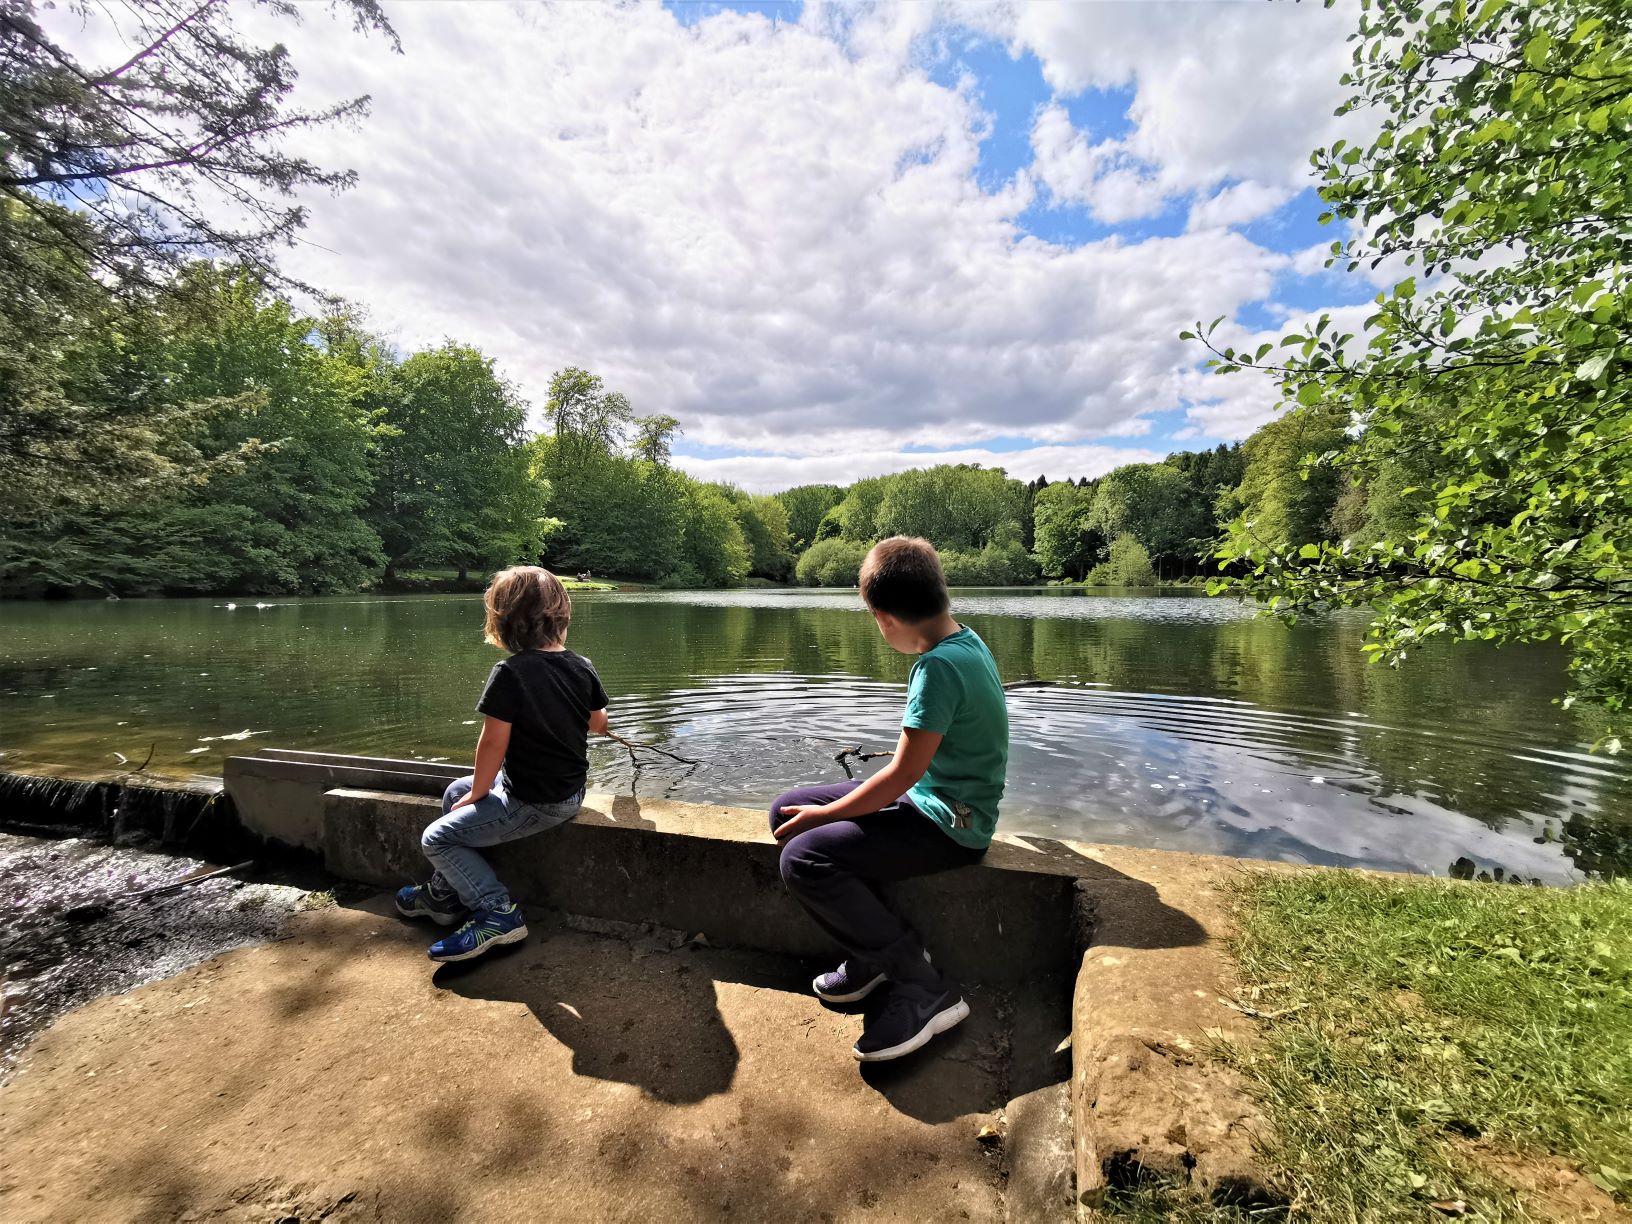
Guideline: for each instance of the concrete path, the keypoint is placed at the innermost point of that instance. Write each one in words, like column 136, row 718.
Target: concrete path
column 338, row 1075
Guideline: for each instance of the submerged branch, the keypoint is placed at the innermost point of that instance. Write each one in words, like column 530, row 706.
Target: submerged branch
column 633, row 744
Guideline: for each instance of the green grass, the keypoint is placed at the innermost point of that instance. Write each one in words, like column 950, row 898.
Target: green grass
column 1424, row 1025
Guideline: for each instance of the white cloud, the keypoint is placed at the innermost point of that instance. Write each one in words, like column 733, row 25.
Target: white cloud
column 1114, row 186
column 775, row 231
column 1238, row 204
column 770, row 473
column 1221, row 90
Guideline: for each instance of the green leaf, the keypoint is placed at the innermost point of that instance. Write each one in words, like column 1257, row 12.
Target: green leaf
column 1310, row 394
column 1592, row 368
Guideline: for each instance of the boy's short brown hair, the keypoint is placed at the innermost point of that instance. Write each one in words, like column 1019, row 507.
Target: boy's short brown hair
column 902, row 577
column 527, row 609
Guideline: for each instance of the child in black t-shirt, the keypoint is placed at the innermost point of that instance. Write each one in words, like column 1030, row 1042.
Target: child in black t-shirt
column 531, row 762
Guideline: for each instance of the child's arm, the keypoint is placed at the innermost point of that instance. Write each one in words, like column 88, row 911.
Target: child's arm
column 490, row 748
column 913, row 753
column 597, row 722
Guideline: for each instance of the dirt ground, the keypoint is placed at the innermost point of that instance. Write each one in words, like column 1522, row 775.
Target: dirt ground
column 337, row 1074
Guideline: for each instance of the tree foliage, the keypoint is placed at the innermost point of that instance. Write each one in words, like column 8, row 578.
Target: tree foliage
column 1065, row 543
column 1127, row 566
column 806, row 505
column 452, row 483
column 832, row 563
column 1154, row 503
column 1498, row 371
column 146, row 152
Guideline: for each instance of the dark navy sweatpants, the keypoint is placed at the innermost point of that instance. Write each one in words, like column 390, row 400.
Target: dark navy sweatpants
column 834, row 871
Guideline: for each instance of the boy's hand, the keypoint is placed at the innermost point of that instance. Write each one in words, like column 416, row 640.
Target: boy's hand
column 797, row 818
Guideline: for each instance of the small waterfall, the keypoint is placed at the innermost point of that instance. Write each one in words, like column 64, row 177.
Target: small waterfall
column 197, row 816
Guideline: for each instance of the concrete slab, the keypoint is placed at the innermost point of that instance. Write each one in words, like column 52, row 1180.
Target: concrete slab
column 714, row 869
column 339, row 1075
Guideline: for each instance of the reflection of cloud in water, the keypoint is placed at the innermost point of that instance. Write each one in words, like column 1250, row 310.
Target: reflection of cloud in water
column 1174, row 606
column 1209, row 775
column 1185, row 722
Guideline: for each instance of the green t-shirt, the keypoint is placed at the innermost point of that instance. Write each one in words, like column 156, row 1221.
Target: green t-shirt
column 954, row 689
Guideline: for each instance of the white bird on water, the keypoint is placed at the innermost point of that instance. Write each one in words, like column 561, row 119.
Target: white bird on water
column 230, row 607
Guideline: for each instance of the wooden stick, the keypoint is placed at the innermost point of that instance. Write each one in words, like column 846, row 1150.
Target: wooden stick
column 208, row 875
column 633, row 744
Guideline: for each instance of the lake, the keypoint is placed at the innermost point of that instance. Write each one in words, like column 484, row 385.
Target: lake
column 1174, row 720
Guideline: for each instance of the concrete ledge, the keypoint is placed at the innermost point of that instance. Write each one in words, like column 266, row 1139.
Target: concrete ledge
column 279, row 792
column 714, row 870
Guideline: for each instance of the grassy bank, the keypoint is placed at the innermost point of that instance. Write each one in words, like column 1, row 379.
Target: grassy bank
column 1433, row 1050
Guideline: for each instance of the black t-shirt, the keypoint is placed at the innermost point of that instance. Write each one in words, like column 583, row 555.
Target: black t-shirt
column 547, row 697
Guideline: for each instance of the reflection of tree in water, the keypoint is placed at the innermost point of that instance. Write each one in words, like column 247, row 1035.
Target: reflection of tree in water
column 781, row 687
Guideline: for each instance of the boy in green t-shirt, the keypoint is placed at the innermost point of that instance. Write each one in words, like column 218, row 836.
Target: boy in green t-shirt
column 932, row 808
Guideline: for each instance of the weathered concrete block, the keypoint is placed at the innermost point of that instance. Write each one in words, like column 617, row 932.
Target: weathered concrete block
column 279, row 792
column 714, row 870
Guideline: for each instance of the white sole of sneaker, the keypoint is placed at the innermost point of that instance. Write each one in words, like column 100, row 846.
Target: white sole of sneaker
column 855, row 996
column 509, row 937
column 951, row 1017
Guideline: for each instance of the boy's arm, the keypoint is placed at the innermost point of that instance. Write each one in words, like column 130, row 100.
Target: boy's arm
column 597, row 722
column 913, row 753
column 490, row 749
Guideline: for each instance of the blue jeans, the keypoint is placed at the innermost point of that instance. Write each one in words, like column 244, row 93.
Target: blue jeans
column 490, row 821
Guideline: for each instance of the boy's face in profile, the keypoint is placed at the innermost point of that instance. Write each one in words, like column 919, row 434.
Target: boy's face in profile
column 900, row 635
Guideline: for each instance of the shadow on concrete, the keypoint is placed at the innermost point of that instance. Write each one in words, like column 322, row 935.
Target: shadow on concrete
column 626, row 811
column 630, row 1012
column 1112, row 906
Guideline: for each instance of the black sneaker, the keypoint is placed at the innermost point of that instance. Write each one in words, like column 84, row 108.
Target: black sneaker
column 911, row 1016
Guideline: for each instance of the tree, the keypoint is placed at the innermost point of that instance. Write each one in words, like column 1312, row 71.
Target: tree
column 832, row 563
column 1156, row 505
column 82, row 427
column 654, row 436
column 715, row 553
column 146, row 151
column 452, row 481
column 961, row 506
column 1128, row 566
column 1499, row 176
column 764, row 523
column 288, row 458
column 806, row 504
column 588, row 420
column 1287, row 503
column 1065, row 543
column 110, row 175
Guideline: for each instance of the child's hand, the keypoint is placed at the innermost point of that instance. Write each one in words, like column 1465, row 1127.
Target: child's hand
column 797, row 818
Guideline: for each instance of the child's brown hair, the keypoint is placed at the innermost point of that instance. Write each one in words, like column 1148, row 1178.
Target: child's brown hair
column 527, row 609
column 902, row 577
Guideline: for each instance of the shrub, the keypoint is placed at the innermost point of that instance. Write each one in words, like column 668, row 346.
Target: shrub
column 1129, row 565
column 831, row 563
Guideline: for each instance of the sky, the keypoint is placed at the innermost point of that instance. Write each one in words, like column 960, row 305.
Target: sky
column 840, row 240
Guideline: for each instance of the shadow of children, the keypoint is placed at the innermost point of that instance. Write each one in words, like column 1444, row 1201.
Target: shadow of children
column 628, row 1012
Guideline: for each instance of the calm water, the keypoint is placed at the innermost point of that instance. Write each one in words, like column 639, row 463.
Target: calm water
column 1176, row 721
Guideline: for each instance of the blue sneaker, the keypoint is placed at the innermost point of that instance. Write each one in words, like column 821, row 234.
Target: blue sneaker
column 425, row 901
column 486, row 929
